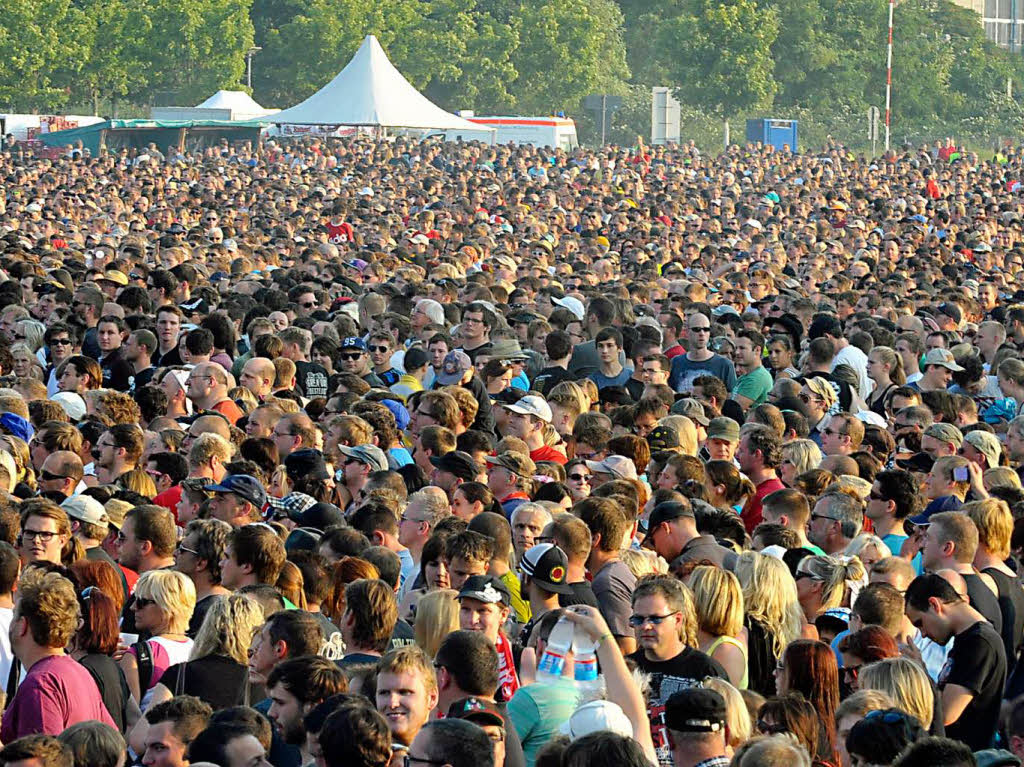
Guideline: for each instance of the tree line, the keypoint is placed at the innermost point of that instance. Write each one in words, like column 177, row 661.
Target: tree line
column 822, row 61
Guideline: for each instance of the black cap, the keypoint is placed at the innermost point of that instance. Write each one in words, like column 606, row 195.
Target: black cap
column 666, row 512
column 547, row 565
column 663, row 438
column 303, row 539
column 306, row 463
column 458, row 463
column 486, row 588
column 695, row 709
column 319, row 516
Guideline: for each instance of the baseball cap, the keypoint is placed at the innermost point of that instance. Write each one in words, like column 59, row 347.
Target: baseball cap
column 619, row 466
column 985, row 443
column 534, row 405
column 663, row 438
column 371, row 455
column 85, row 509
column 478, row 710
column 547, row 565
column 724, row 428
column 695, row 709
column 692, row 409
column 291, row 504
column 574, row 305
column 952, row 311
column 454, row 366
column 596, row 716
column 17, row 426
column 517, row 463
column 943, row 357
column 306, row 462
column 72, row 403
column 116, row 510
column 667, row 511
column 487, row 589
column 458, row 463
column 945, row 432
column 199, row 306
column 245, row 486
column 303, row 539
column 353, row 342
column 319, row 516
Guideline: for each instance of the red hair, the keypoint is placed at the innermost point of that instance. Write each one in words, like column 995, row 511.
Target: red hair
column 812, row 670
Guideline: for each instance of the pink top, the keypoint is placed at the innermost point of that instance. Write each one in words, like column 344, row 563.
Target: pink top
column 57, row 692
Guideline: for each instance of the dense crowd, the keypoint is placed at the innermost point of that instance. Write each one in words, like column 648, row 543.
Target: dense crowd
column 396, row 453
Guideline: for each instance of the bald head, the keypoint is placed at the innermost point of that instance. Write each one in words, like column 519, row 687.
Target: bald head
column 258, row 376
column 210, row 424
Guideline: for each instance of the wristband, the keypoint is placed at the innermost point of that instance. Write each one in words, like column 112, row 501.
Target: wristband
column 607, row 635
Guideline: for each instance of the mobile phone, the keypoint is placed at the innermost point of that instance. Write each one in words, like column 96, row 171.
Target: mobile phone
column 960, row 474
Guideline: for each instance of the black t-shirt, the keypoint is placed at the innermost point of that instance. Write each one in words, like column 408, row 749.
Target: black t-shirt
column 112, row 685
column 220, row 681
column 402, row 636
column 1011, row 606
column 311, row 379
column 635, row 388
column 984, row 601
column 582, row 594
column 688, row 669
column 117, row 371
column 548, row 378
column 977, row 662
column 199, row 613
column 484, row 348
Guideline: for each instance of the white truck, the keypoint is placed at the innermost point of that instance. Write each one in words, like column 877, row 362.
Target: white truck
column 557, row 132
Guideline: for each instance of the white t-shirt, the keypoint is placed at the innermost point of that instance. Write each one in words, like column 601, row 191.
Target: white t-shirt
column 858, row 360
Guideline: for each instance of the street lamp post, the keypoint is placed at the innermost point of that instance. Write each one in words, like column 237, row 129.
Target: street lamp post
column 248, row 64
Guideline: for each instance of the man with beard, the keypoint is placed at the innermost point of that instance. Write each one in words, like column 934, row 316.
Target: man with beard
column 295, row 687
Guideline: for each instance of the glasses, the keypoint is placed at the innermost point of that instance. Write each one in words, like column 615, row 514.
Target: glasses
column 823, row 516
column 352, row 356
column 873, row 496
column 654, row 620
column 579, row 477
column 800, row 575
column 142, row 603
column 60, row 342
column 44, row 474
column 706, row 329
column 379, row 349
column 308, row 304
column 43, row 536
column 182, row 547
column 806, row 398
column 832, row 433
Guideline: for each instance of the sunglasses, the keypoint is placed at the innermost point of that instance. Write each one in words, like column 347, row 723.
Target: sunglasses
column 308, row 304
column 579, row 477
column 379, row 349
column 60, row 342
column 44, row 474
column 351, row 356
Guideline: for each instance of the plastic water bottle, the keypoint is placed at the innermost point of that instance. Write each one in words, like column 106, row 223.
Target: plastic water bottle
column 585, row 670
column 552, row 662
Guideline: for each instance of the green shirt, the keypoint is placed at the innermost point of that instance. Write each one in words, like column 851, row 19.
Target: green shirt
column 538, row 710
column 754, row 385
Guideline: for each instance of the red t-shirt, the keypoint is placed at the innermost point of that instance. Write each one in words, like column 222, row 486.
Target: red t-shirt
column 229, row 410
column 752, row 513
column 547, row 453
column 169, row 500
column 338, row 233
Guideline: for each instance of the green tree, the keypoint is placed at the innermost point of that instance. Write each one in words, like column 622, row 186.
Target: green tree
column 567, row 50
column 192, row 49
column 37, row 42
column 722, row 59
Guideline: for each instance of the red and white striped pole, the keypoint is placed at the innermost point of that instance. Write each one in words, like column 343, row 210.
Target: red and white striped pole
column 888, row 79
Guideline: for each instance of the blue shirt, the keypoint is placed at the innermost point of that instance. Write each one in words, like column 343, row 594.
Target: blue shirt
column 408, row 566
column 604, row 381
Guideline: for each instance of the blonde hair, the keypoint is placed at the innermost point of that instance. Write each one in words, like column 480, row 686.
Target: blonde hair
column 410, row 659
column 1001, row 476
column 905, row 682
column 677, row 596
column 138, row 481
column 862, row 702
column 769, row 596
column 228, row 628
column 437, row 615
column 737, row 715
column 719, row 601
column 834, row 573
column 863, row 541
column 174, row 595
column 643, row 562
column 569, row 395
column 804, row 454
column 888, row 356
column 686, row 430
column 994, row 521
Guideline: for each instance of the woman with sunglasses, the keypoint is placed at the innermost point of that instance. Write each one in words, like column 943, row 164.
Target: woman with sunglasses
column 163, row 605
column 577, row 479
column 821, row 582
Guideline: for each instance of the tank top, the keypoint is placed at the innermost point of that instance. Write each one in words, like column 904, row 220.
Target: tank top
column 736, row 643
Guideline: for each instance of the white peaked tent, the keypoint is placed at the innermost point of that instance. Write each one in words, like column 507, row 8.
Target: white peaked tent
column 239, row 102
column 371, row 91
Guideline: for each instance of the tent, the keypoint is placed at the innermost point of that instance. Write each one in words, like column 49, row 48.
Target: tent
column 240, row 104
column 370, row 91
column 115, row 135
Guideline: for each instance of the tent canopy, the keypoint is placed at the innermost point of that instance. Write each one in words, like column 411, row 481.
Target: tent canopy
column 236, row 101
column 370, row 91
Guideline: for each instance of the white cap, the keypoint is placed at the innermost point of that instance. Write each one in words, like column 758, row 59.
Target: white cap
column 534, row 405
column 617, row 465
column 574, row 305
column 597, row 716
column 72, row 403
